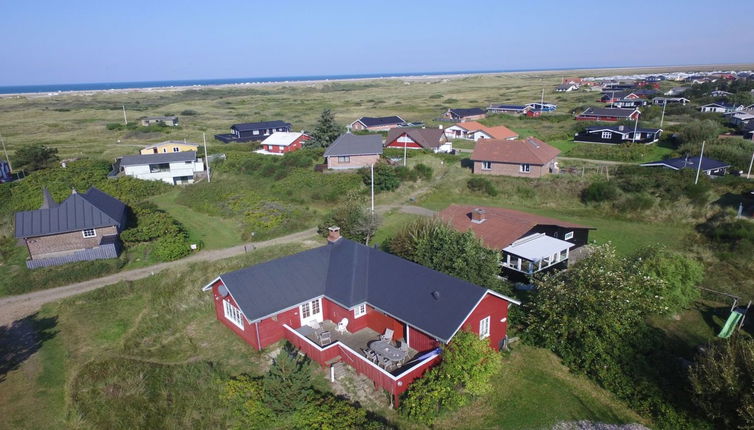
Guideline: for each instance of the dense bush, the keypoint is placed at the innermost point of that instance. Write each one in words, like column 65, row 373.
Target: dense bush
column 465, row 372
column 622, row 152
column 286, row 398
column 729, row 232
column 436, row 245
column 592, row 316
column 35, row 157
column 356, row 222
column 600, row 191
column 676, row 276
column 423, row 171
column 481, row 185
column 189, row 112
column 722, row 380
column 386, row 177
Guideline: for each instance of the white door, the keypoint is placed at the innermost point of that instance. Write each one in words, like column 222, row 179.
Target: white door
column 311, row 311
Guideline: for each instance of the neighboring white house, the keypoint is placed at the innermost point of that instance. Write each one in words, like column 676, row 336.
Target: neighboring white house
column 720, row 107
column 173, row 167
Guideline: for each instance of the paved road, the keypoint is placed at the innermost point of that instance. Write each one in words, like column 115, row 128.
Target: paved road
column 16, row 307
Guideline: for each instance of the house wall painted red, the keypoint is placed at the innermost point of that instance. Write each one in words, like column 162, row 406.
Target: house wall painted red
column 296, row 145
column 397, row 144
column 420, row 341
column 496, row 309
column 604, row 118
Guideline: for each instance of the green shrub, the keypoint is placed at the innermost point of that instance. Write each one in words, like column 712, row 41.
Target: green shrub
column 479, row 184
column 189, row 112
column 599, row 192
column 423, row 171
column 171, row 248
column 386, row 177
column 722, row 380
column 677, row 276
column 635, row 203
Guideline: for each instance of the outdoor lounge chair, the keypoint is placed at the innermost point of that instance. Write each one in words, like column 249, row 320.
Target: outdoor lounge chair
column 342, row 325
column 388, row 336
column 325, row 338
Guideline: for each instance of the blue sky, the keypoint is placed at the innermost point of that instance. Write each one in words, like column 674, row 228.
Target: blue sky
column 106, row 41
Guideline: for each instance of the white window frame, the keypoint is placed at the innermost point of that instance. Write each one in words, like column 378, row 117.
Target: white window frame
column 93, row 232
column 360, row 310
column 607, row 135
column 486, row 165
column 568, row 235
column 176, row 149
column 344, row 159
column 484, row 327
column 233, row 314
column 525, row 168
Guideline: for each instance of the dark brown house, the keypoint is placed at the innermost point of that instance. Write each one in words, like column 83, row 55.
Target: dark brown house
column 529, row 243
column 85, row 226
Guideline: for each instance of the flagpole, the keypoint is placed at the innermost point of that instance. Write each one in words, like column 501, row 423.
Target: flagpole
column 662, row 118
column 206, row 157
column 11, row 167
column 125, row 120
column 371, row 168
column 748, row 175
column 636, row 126
column 699, row 167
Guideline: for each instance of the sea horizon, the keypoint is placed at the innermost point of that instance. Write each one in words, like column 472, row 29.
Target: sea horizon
column 104, row 86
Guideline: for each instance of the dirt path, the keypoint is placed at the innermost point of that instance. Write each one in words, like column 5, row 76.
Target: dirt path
column 16, row 307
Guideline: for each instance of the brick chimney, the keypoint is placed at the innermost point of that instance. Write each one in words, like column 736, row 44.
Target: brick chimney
column 478, row 215
column 333, row 234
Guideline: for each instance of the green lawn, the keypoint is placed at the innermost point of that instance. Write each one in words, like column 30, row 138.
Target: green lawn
column 392, row 223
column 216, row 232
column 534, row 390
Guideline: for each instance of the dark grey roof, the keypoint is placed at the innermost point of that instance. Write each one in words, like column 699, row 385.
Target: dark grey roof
column 496, row 106
column 166, row 157
column 349, row 273
column 93, row 209
column 616, row 112
column 161, row 118
column 467, row 112
column 369, row 121
column 689, row 163
column 355, row 144
column 249, row 126
column 618, row 129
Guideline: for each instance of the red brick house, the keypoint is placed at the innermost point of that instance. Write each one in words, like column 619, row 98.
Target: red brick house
column 433, row 139
column 528, row 243
column 529, row 158
column 283, row 142
column 83, row 227
column 336, row 301
column 608, row 114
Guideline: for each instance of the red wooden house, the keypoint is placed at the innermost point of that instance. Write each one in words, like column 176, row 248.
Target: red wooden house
column 335, row 301
column 418, row 138
column 283, row 142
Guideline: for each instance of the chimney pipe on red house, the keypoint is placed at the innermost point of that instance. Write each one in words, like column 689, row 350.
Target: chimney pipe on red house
column 478, row 215
column 333, row 234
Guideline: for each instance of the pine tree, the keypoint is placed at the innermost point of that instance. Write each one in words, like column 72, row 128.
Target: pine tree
column 325, row 132
column 288, row 385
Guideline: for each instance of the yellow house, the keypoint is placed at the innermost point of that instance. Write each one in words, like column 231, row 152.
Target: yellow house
column 170, row 146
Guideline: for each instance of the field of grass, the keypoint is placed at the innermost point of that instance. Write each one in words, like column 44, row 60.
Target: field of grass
column 215, row 232
column 534, row 390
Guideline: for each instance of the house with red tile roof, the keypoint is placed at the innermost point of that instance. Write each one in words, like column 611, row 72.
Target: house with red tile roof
column 529, row 243
column 528, row 157
column 472, row 130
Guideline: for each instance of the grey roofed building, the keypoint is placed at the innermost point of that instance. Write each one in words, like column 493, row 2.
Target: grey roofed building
column 248, row 126
column 349, row 273
column 464, row 112
column 708, row 165
column 93, row 209
column 380, row 121
column 353, row 144
column 168, row 157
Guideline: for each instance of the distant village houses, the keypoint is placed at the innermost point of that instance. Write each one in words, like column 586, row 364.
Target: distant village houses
column 383, row 123
column 169, row 121
column 462, row 115
column 253, row 131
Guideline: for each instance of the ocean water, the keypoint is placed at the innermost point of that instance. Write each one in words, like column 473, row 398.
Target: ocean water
column 54, row 88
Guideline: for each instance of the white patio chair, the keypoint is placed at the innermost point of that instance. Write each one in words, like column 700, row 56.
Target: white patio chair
column 388, row 336
column 342, row 325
